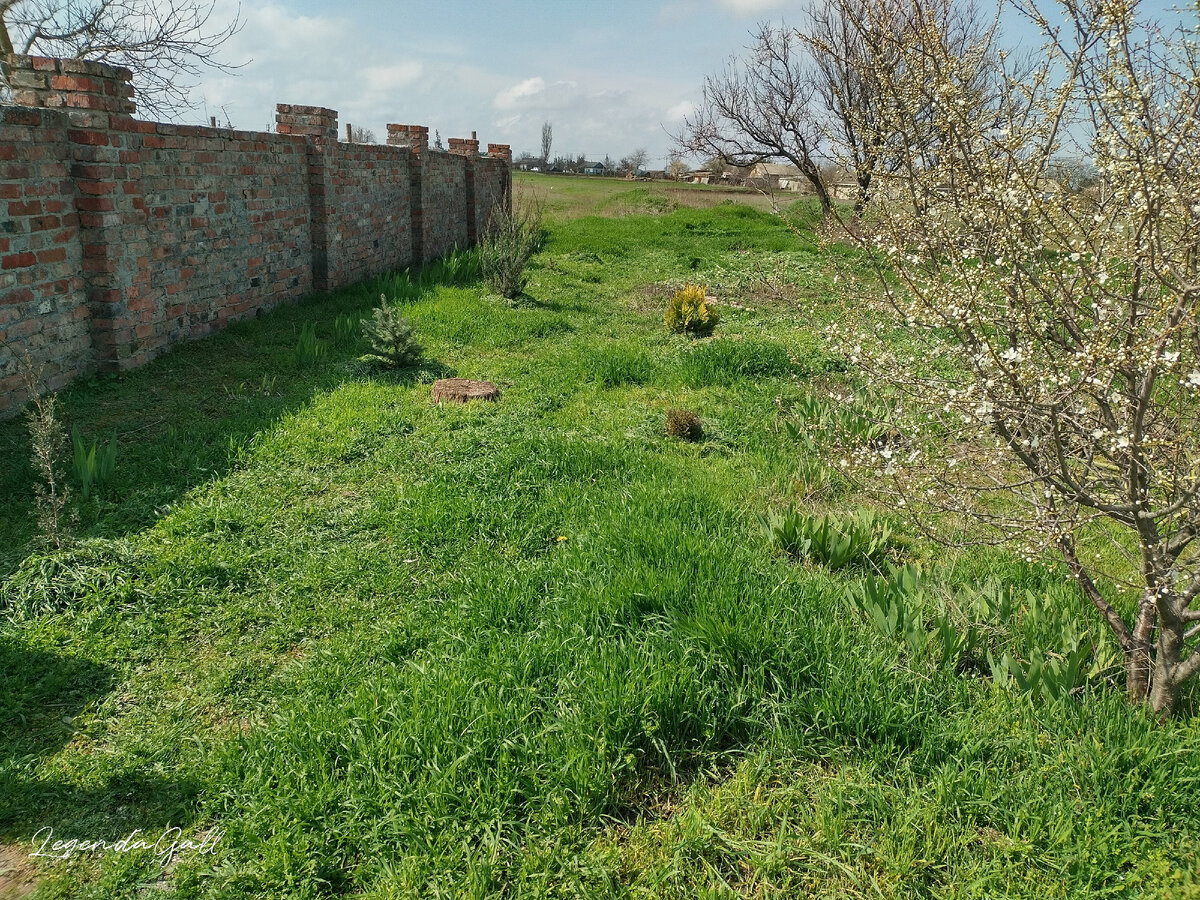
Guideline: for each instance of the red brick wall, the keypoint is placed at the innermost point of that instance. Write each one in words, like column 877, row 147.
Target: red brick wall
column 369, row 218
column 444, row 199
column 124, row 237
column 43, row 300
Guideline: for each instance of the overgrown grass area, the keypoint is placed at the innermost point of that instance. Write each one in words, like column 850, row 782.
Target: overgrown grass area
column 537, row 647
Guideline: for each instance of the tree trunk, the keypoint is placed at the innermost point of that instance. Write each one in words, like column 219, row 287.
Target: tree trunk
column 1138, row 662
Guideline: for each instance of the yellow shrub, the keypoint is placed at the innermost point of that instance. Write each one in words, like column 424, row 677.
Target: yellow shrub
column 689, row 312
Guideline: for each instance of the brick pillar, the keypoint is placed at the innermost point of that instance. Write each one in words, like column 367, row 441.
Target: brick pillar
column 416, row 139
column 106, row 154
column 468, row 148
column 319, row 128
column 75, row 85
column 500, row 151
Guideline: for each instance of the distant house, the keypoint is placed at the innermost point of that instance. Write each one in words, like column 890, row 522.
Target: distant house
column 701, row 177
column 777, row 176
column 596, row 168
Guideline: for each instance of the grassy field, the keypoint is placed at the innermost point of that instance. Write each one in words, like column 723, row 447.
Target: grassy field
column 534, row 648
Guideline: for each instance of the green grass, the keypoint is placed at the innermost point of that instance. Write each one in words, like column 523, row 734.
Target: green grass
column 536, row 647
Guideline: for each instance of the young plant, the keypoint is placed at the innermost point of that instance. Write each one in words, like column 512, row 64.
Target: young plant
column 93, row 465
column 46, row 439
column 391, row 337
column 688, row 312
column 861, row 539
column 310, row 350
column 513, row 235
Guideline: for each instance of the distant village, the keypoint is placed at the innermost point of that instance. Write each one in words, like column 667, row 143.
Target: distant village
column 761, row 176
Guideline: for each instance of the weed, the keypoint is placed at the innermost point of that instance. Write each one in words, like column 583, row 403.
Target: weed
column 684, row 424
column 346, row 329
column 512, row 237
column 46, row 439
column 310, row 350
column 93, row 465
column 861, row 539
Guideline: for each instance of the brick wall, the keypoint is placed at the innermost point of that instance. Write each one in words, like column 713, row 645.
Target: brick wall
column 123, row 237
column 43, row 298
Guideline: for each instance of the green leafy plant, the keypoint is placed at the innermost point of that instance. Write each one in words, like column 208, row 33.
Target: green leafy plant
column 391, row 337
column 310, row 350
column 861, row 539
column 93, row 465
column 892, row 604
column 688, row 312
column 345, row 328
column 684, row 424
column 512, row 237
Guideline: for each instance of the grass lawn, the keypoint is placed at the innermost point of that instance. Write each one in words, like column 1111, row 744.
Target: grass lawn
column 534, row 648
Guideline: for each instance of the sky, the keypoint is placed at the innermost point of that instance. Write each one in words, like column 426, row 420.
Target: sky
column 611, row 77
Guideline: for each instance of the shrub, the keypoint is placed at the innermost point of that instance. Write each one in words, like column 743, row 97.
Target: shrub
column 512, row 237
column 684, row 424
column 391, row 337
column 688, row 312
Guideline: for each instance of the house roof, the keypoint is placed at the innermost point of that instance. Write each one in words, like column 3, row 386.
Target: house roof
column 775, row 169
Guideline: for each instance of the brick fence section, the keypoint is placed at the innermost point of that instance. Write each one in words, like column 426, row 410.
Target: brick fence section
column 123, row 237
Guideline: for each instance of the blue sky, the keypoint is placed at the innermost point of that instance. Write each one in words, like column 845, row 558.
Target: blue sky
column 610, row 76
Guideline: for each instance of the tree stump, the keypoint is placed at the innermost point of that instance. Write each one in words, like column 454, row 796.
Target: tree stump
column 460, row 390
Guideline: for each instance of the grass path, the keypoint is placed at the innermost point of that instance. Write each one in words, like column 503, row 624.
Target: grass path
column 531, row 648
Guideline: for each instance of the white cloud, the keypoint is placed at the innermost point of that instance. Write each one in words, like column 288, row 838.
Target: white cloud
column 680, row 111
column 392, row 77
column 512, row 96
column 749, row 7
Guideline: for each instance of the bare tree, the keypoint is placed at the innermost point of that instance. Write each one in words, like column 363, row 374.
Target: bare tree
column 634, row 161
column 766, row 107
column 1050, row 362
column 361, row 135
column 166, row 43
column 547, row 141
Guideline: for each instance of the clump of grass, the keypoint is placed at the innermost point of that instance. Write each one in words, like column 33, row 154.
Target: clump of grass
column 310, row 350
column 93, row 465
column 836, row 542
column 93, row 570
column 684, row 424
column 724, row 361
column 391, row 337
column 688, row 312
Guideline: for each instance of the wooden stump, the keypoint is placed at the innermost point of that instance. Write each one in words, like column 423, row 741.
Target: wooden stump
column 460, row 390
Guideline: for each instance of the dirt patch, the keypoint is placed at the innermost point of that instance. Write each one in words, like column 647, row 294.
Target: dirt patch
column 18, row 877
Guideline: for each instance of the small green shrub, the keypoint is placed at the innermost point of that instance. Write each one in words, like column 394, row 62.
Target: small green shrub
column 511, row 239
column 93, row 465
column 684, row 424
column 391, row 337
column 688, row 312
column 861, row 539
column 310, row 350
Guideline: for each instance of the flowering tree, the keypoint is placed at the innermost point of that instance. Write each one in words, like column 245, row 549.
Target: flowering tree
column 1053, row 375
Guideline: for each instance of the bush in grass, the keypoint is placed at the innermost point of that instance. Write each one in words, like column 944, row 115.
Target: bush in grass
column 688, row 312
column 391, row 337
column 512, row 237
column 684, row 424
